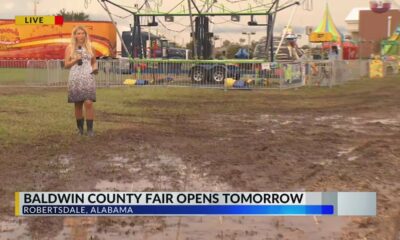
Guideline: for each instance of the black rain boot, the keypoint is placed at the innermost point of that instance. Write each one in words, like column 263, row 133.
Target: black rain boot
column 89, row 125
column 79, row 124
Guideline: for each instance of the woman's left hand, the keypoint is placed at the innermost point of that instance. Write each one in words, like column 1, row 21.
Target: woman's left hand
column 95, row 71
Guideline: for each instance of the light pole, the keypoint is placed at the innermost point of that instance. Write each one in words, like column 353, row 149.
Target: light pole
column 35, row 3
column 216, row 38
column 249, row 40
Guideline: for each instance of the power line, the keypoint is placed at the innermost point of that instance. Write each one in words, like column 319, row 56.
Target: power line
column 86, row 3
column 169, row 29
column 105, row 7
column 115, row 15
column 236, row 1
column 236, row 23
column 180, row 24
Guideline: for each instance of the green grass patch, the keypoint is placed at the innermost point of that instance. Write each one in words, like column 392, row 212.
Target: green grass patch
column 13, row 76
column 27, row 76
column 27, row 116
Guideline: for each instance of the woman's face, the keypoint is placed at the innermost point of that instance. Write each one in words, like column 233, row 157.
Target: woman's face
column 80, row 36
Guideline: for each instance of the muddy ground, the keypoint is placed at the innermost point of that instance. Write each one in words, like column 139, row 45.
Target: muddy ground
column 350, row 144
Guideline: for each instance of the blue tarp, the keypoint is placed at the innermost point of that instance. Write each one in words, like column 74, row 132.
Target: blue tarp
column 242, row 53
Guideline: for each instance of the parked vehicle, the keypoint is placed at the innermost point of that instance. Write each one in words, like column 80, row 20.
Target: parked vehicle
column 215, row 73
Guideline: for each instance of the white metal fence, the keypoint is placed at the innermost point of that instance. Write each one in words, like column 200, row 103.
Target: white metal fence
column 226, row 74
column 209, row 74
column 331, row 73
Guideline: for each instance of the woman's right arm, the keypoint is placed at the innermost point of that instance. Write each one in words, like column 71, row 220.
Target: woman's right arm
column 68, row 61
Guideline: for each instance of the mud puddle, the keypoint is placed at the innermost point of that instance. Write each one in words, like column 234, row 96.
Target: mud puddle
column 167, row 172
column 251, row 228
column 170, row 173
column 13, row 228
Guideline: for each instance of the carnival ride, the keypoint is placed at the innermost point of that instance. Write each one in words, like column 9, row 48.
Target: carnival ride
column 49, row 41
column 332, row 39
column 293, row 49
column 285, row 47
column 202, row 16
column 380, row 6
column 391, row 46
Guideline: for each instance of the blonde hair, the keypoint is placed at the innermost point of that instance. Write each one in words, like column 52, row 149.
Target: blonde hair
column 87, row 44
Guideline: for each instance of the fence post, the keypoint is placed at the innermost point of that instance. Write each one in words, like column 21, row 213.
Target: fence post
column 281, row 76
column 333, row 75
column 225, row 77
column 48, row 72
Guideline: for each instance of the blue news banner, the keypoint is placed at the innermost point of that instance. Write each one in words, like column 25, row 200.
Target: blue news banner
column 178, row 210
column 197, row 203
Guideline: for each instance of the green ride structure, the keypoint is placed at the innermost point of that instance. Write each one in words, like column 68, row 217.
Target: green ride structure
column 391, row 46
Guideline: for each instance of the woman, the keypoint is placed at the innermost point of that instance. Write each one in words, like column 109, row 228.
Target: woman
column 80, row 58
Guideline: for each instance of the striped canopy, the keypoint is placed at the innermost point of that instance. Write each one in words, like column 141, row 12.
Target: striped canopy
column 328, row 26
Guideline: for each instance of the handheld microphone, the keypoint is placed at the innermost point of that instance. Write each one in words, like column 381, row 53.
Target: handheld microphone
column 80, row 51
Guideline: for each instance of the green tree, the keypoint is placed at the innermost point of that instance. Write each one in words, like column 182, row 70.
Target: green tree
column 73, row 16
column 189, row 45
column 175, row 45
column 226, row 43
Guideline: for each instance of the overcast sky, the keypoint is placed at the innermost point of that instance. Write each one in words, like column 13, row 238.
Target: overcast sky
column 302, row 18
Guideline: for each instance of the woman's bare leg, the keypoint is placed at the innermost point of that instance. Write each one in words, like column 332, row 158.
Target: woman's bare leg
column 89, row 108
column 79, row 110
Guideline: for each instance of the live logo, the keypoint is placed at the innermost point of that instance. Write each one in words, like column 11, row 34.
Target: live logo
column 34, row 20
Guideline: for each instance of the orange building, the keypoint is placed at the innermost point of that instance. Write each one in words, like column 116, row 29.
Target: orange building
column 50, row 41
column 370, row 28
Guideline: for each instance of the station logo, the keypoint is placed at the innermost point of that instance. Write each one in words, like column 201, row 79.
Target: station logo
column 39, row 20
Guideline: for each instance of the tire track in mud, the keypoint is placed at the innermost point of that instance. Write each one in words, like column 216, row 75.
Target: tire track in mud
column 340, row 147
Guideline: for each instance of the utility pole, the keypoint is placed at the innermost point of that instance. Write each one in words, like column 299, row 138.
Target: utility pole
column 271, row 34
column 35, row 3
column 193, row 33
